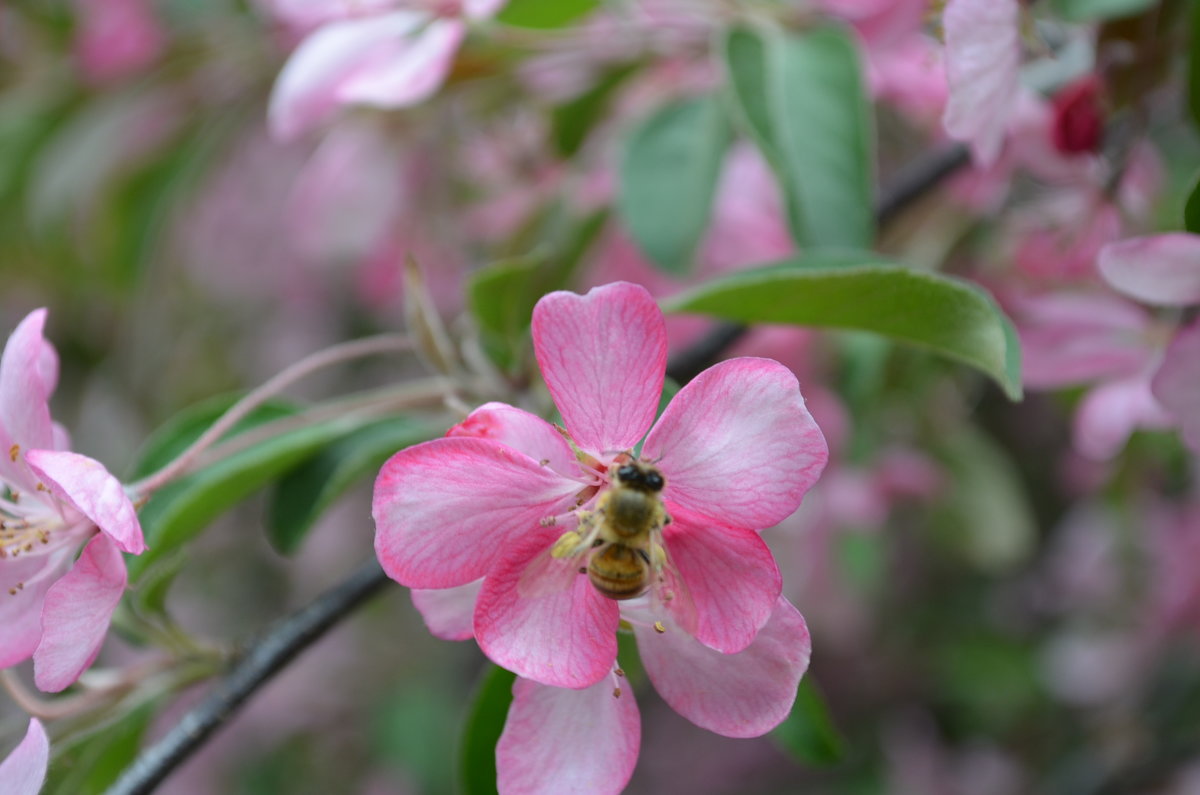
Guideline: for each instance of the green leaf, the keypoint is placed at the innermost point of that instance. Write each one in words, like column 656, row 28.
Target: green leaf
column 808, row 732
column 1193, row 65
column 545, row 14
column 573, row 120
column 667, row 177
column 1191, row 210
column 180, row 510
column 804, row 100
column 92, row 764
column 988, row 514
column 1095, row 10
column 482, row 731
column 176, row 434
column 299, row 499
column 865, row 292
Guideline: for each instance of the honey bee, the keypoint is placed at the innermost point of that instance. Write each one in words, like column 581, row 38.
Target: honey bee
column 622, row 537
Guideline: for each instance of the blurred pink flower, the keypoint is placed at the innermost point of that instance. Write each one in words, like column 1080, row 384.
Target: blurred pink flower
column 983, row 54
column 53, row 607
column 391, row 58
column 738, row 450
column 24, row 770
column 880, row 23
column 1078, row 116
column 1165, row 270
column 116, row 38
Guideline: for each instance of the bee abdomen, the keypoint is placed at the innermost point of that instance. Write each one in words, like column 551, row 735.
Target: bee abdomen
column 619, row 572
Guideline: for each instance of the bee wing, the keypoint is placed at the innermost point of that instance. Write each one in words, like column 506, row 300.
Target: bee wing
column 547, row 574
column 670, row 594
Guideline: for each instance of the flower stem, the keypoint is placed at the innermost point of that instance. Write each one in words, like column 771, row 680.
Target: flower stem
column 369, row 346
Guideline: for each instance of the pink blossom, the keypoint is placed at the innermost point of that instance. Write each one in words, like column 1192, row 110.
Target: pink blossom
column 983, row 54
column 53, row 607
column 117, row 38
column 24, row 770
column 391, row 58
column 482, row 515
column 1158, row 269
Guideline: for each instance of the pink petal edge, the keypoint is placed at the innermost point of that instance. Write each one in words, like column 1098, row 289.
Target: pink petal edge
column 449, row 613
column 1157, row 269
column 91, row 489
column 24, row 770
column 738, row 445
column 736, row 695
column 76, row 615
column 444, row 510
column 568, row 742
column 604, row 356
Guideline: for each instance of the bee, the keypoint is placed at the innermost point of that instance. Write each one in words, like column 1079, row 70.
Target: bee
column 622, row 536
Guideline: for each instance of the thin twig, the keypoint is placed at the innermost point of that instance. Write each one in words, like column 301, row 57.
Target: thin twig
column 273, row 650
column 382, row 343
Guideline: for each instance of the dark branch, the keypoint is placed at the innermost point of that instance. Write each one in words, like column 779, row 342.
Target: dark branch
column 273, row 650
column 910, row 183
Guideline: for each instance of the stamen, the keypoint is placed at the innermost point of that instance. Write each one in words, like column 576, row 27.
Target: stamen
column 13, row 452
column 616, row 692
column 659, row 628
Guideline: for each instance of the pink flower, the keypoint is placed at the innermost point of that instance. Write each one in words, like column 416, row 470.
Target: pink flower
column 24, row 770
column 501, row 513
column 117, row 38
column 53, row 607
column 983, row 54
column 386, row 58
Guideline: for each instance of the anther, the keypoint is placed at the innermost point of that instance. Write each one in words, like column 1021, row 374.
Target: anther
column 583, row 569
column 618, row 672
column 616, row 692
column 13, row 452
column 659, row 628
column 548, row 521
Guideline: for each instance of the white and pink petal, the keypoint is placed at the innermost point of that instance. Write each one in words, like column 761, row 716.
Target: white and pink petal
column 77, row 611
column 1176, row 385
column 982, row 57
column 737, row 444
column 24, row 581
column 24, row 770
column 28, row 373
column 445, row 510
column 449, row 613
column 565, row 636
column 558, row 741
column 1157, row 269
column 736, row 695
column 603, row 356
column 731, row 578
column 89, row 488
column 411, row 74
column 522, row 431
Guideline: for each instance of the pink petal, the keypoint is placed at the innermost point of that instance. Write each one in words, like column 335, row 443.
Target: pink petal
column 307, row 90
column 983, row 55
column 1158, row 269
column 30, row 576
column 444, row 510
column 86, row 485
column 411, row 74
column 566, row 637
column 737, row 695
column 522, row 431
column 1177, row 383
column 737, row 444
column 603, row 356
column 28, row 372
column 482, row 9
column 568, row 742
column 1110, row 413
column 730, row 576
column 77, row 613
column 24, row 770
column 449, row 613
column 1075, row 338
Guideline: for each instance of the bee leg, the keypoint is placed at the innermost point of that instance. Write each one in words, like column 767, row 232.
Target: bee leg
column 642, row 554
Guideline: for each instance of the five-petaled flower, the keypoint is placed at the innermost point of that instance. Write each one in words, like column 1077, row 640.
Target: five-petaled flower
column 54, row 607
column 488, row 516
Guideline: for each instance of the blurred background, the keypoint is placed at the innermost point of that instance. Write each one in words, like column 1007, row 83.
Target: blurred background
column 1002, row 596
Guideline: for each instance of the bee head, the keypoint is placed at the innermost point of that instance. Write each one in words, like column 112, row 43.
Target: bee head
column 640, row 476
